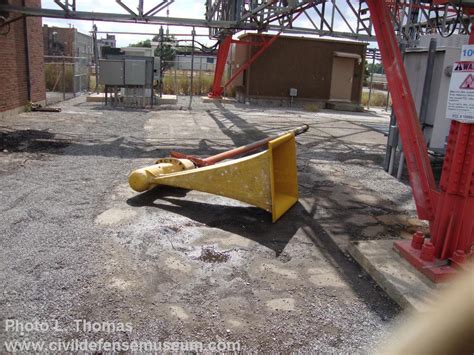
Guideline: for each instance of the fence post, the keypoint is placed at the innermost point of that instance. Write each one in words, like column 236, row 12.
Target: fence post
column 193, row 33
column 74, row 78
column 371, row 79
column 64, row 79
column 200, row 76
column 175, row 77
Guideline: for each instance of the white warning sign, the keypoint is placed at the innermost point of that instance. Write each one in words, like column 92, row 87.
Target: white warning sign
column 461, row 93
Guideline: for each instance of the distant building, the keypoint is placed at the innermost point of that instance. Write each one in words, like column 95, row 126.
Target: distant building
column 324, row 70
column 108, row 41
column 78, row 49
column 202, row 61
column 379, row 82
column 68, row 42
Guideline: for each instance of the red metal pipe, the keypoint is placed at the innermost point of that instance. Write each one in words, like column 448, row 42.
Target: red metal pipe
column 250, row 147
column 236, row 151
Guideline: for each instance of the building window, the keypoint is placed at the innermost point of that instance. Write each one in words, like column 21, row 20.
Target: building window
column 210, row 60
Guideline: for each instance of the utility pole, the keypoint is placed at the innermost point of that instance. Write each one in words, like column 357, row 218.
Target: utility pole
column 96, row 57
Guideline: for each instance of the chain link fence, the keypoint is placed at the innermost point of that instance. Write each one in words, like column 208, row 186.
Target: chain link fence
column 177, row 77
column 66, row 77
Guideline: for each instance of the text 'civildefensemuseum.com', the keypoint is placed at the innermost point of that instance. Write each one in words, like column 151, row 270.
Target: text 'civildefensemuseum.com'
column 19, row 330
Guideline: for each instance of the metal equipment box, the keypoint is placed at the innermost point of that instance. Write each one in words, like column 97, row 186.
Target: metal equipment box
column 436, row 126
column 135, row 72
column 157, row 68
column 111, row 72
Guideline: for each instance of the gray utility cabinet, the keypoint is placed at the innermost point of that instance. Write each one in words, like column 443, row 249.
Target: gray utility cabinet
column 119, row 70
column 436, row 127
column 111, row 72
column 135, row 72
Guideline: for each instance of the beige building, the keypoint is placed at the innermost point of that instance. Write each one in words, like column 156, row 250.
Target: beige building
column 319, row 69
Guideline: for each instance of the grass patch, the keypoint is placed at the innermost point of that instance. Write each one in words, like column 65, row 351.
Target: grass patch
column 100, row 88
column 53, row 75
column 179, row 83
column 312, row 107
column 172, row 85
column 377, row 99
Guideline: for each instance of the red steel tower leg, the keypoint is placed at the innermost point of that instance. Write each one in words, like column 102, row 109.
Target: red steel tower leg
column 421, row 175
column 450, row 211
column 453, row 232
column 222, row 54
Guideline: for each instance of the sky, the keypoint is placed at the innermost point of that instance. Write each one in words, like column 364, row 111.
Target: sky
column 180, row 8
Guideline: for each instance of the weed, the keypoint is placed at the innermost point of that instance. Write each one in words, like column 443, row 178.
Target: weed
column 377, row 99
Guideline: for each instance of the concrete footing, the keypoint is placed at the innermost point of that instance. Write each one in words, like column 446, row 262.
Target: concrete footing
column 404, row 284
column 164, row 100
column 206, row 99
column 100, row 97
column 344, row 106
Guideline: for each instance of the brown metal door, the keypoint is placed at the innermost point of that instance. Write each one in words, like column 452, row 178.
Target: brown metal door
column 341, row 79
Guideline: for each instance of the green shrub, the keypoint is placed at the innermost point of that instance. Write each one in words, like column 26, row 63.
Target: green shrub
column 100, row 88
column 180, row 85
column 53, row 74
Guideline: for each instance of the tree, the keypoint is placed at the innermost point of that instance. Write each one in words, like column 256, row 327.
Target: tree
column 146, row 43
column 378, row 68
column 367, row 70
column 185, row 49
column 167, row 52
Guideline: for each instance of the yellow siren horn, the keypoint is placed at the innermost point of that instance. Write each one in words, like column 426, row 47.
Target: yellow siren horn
column 267, row 180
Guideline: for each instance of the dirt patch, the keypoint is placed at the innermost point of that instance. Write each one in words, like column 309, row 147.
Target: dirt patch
column 210, row 255
column 30, row 141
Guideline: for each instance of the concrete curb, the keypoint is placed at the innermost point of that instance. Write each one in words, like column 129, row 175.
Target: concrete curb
column 393, row 274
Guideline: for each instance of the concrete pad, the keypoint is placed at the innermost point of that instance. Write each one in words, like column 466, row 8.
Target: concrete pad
column 344, row 106
column 166, row 100
column 100, row 97
column 406, row 286
column 207, row 100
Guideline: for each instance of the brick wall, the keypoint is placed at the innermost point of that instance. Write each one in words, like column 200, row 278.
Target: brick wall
column 13, row 62
column 58, row 41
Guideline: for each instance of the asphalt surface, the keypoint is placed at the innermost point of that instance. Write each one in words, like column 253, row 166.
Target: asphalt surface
column 77, row 244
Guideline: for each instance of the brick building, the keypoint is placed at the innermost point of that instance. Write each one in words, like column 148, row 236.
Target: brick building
column 69, row 42
column 109, row 41
column 21, row 62
column 76, row 49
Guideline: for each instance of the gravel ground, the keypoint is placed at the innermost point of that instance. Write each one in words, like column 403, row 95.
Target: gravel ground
column 78, row 244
